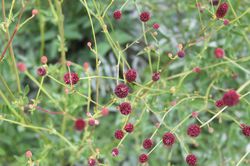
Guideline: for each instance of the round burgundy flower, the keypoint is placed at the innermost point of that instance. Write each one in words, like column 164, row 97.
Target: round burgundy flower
column 191, row 160
column 115, row 152
column 222, row 10
column 41, row 71
column 117, row 14
column 226, row 22
column 231, row 98
column 121, row 90
column 125, row 108
column 245, row 130
column 168, row 139
column 156, row 26
column 92, row 162
column 219, row 103
column 214, row 2
column 129, row 127
column 181, row 54
column 80, row 124
column 197, row 69
column 71, row 78
column 92, row 122
column 145, row 16
column 131, row 75
column 193, row 130
column 219, row 53
column 148, row 143
column 119, row 134
column 156, row 76
column 143, row 158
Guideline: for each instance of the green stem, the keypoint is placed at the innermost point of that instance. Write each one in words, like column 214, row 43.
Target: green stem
column 7, row 87
column 10, row 107
column 60, row 21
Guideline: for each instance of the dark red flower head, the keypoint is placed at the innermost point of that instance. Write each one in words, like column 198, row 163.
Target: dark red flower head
column 115, row 152
column 71, row 78
column 125, row 108
column 222, row 10
column 156, row 76
column 145, row 16
column 129, row 127
column 181, row 54
column 168, row 139
column 119, row 134
column 193, row 130
column 197, row 69
column 156, row 26
column 219, row 53
column 245, row 130
column 91, row 122
column 148, row 143
column 121, row 90
column 219, row 103
column 143, row 158
column 131, row 75
column 191, row 160
column 214, row 2
column 92, row 162
column 117, row 14
column 231, row 98
column 226, row 22
column 41, row 71
column 80, row 124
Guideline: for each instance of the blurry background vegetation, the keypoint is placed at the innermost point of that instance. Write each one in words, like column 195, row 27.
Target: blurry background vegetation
column 180, row 22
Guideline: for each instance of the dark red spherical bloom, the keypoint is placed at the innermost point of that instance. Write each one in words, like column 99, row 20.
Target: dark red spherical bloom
column 245, row 130
column 156, row 26
column 168, row 139
column 41, row 71
column 148, row 143
column 193, row 130
column 129, row 127
column 214, row 2
column 181, row 54
column 121, row 90
column 117, row 14
column 197, row 69
column 115, row 152
column 125, row 108
column 80, row 124
column 191, row 160
column 92, row 122
column 231, row 98
column 119, row 134
column 143, row 158
column 92, row 162
column 131, row 75
column 222, row 10
column 156, row 76
column 71, row 78
column 219, row 53
column 226, row 22
column 219, row 103
column 145, row 16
